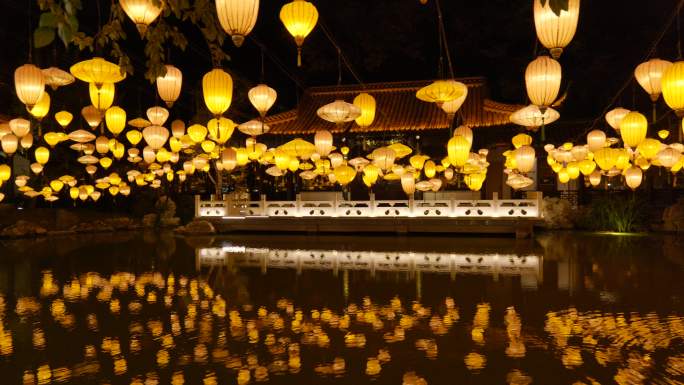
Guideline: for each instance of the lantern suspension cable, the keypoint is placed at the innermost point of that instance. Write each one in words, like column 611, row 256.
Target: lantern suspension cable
column 277, row 61
column 30, row 38
column 445, row 43
column 650, row 52
column 340, row 53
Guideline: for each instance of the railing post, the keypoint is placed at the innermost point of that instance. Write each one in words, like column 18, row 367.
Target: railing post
column 298, row 204
column 495, row 203
column 411, row 205
column 540, row 204
column 371, row 205
column 263, row 204
column 197, row 206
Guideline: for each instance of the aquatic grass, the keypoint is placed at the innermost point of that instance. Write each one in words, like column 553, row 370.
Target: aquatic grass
column 615, row 214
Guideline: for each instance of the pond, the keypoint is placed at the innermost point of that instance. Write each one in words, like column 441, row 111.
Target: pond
column 153, row 308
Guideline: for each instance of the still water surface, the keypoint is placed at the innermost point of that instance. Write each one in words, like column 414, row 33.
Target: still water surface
column 153, row 308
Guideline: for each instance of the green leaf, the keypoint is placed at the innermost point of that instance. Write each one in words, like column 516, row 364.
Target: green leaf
column 66, row 34
column 556, row 5
column 48, row 20
column 43, row 36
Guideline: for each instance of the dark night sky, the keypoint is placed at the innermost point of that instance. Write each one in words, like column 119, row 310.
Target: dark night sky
column 387, row 40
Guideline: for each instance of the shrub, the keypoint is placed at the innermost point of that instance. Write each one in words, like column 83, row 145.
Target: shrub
column 616, row 213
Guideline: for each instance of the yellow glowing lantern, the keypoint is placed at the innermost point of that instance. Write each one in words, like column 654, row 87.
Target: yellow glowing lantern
column 56, row 185
column 221, row 129
column 587, row 167
column 41, row 109
column 595, row 178
column 563, row 176
column 673, row 86
column 208, row 146
column 42, row 155
column 282, row 159
column 408, row 184
column 384, row 157
column 605, row 158
column 441, row 91
column 339, row 112
column 217, row 88
column 237, row 17
column 155, row 136
column 555, row 31
column 633, row 128
column 573, row 170
column 9, row 143
column 294, row 165
column 371, row 173
column 452, row 106
column 344, row 174
column 663, row 134
column 596, row 139
column 20, row 127
column 367, row 105
column 622, row 158
column 115, row 118
column 262, row 98
column 521, row 140
column 525, row 158
column 52, row 138
column 633, row 177
column 299, row 18
column 113, row 190
column 197, row 133
column 323, row 141
column 141, row 12
column 97, row 71
column 458, row 149
column 5, row 172
column 474, row 181
column 29, row 84
column 649, row 75
column 649, row 148
column 26, row 141
column 73, row 193
column 430, row 169
column 63, row 118
column 92, row 116
column 242, row 156
column 615, row 116
column 102, row 97
column 105, row 162
column 418, row 161
column 134, row 136
column 542, row 80
column 169, row 85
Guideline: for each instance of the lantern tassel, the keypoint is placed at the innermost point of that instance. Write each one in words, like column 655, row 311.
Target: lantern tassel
column 299, row 56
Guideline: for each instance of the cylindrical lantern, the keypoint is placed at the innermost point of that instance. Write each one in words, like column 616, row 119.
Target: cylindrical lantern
column 42, row 155
column 673, row 87
column 323, row 141
column 367, row 105
column 458, row 149
column 596, row 139
column 525, row 158
column 237, row 17
column 29, row 84
column 115, row 118
column 555, row 31
column 408, row 183
column 217, row 88
column 595, row 178
column 633, row 176
column 102, row 97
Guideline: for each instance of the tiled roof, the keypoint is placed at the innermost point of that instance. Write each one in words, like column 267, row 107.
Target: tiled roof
column 397, row 109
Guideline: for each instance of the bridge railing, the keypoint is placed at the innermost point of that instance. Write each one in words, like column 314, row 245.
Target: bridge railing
column 338, row 208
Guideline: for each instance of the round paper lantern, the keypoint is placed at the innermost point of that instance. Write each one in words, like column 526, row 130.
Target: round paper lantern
column 134, row 137
column 605, row 158
column 649, row 75
column 542, row 80
column 408, row 184
column 465, row 132
column 668, row 157
column 221, row 129
column 237, row 17
column 556, row 31
column 371, row 173
column 262, row 98
column 26, row 141
column 336, row 159
column 366, row 103
column 115, row 118
column 141, row 12
column 596, row 139
column 177, row 128
column 63, row 118
column 649, row 148
column 323, row 141
column 474, row 181
column 299, row 18
column 595, row 178
column 451, row 107
column 633, row 128
column 155, row 136
column 29, row 84
column 458, row 149
column 430, row 169
column 36, row 168
column 338, row 112
column 520, row 140
column 441, row 91
column 102, row 145
column 254, row 128
column 157, row 115
column 532, row 117
column 20, row 127
column 149, row 156
column 633, row 177
column 98, row 71
column 217, row 88
column 344, row 174
column 169, row 85
column 384, row 157
column 5, row 172
column 197, row 133
column 587, row 166
column 525, row 158
column 92, row 116
column 41, row 109
column 42, row 155
column 673, row 87
column 208, row 146
column 229, row 159
column 102, row 97
column 614, row 117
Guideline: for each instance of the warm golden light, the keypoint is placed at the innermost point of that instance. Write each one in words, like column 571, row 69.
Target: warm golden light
column 542, row 80
column 299, row 18
column 29, row 84
column 237, row 17
column 169, row 85
column 217, row 88
column 141, row 12
column 555, row 32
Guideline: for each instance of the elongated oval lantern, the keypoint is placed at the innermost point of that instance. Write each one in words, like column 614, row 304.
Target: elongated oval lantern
column 323, row 141
column 41, row 109
column 300, row 18
column 141, row 12
column 237, row 17
column 92, row 116
column 169, row 85
column 525, row 158
column 29, row 83
column 262, row 98
column 650, row 74
column 458, row 149
column 555, row 32
column 102, row 97
column 367, row 105
column 543, row 80
column 217, row 88
column 633, row 128
column 633, row 177
column 673, row 87
column 115, row 118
